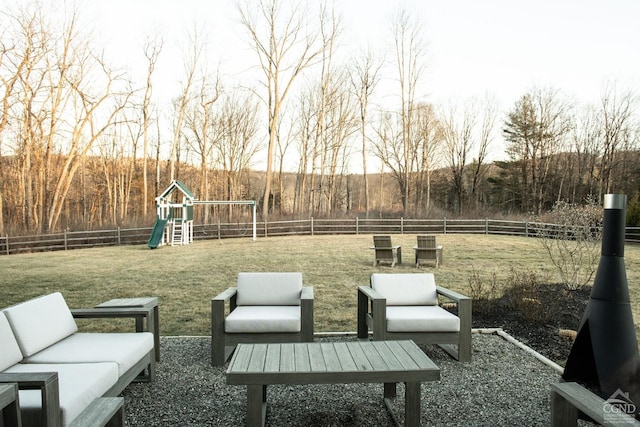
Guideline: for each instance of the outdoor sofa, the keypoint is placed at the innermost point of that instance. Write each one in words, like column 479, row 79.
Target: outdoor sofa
column 62, row 373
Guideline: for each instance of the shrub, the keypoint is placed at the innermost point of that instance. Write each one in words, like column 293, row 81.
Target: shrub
column 572, row 239
column 483, row 292
column 524, row 294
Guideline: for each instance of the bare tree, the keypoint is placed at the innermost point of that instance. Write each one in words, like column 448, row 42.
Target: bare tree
column 12, row 70
column 152, row 49
column 200, row 133
column 468, row 133
column 484, row 138
column 364, row 78
column 430, row 136
column 616, row 120
column 389, row 147
column 191, row 66
column 285, row 47
column 236, row 128
column 458, row 134
column 410, row 52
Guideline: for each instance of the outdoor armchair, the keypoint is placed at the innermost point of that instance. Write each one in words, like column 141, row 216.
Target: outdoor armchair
column 406, row 306
column 263, row 308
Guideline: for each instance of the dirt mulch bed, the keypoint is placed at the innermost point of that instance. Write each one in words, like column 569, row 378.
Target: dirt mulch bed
column 543, row 320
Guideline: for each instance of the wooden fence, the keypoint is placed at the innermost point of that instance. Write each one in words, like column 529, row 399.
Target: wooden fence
column 136, row 236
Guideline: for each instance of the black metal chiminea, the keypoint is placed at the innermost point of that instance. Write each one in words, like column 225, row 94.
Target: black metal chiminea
column 604, row 356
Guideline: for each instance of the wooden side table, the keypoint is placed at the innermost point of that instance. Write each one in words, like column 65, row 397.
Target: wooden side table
column 153, row 316
column 9, row 406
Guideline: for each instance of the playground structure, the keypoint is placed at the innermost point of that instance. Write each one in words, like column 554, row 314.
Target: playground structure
column 174, row 220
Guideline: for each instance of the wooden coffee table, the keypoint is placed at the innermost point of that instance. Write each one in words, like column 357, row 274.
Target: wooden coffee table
column 388, row 362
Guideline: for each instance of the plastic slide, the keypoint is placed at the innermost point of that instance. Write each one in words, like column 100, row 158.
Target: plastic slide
column 156, row 234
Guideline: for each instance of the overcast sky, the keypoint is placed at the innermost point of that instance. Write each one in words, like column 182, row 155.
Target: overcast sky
column 475, row 47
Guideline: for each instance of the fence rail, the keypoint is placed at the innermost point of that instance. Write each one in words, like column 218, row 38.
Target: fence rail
column 135, row 236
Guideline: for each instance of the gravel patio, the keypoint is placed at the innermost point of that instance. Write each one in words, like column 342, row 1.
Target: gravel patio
column 504, row 385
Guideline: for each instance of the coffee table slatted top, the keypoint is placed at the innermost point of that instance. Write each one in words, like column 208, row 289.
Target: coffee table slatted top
column 330, row 362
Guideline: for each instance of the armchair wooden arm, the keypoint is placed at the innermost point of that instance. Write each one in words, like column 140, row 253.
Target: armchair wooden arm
column 108, row 313
column 217, row 323
column 377, row 318
column 464, row 303
column 306, row 313
column 47, row 383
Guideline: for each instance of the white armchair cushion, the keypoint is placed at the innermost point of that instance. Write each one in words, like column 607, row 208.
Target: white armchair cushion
column 79, row 385
column 421, row 319
column 40, row 322
column 10, row 353
column 125, row 349
column 263, row 319
column 269, row 288
column 406, row 289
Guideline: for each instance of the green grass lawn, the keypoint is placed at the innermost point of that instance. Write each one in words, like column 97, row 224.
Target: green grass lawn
column 186, row 278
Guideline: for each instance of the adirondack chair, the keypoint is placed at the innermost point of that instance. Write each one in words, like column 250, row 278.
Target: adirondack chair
column 385, row 251
column 427, row 250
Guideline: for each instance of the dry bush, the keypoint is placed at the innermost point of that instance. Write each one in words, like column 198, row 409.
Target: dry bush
column 571, row 236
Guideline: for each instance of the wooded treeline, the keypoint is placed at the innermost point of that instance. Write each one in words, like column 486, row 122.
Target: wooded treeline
column 83, row 145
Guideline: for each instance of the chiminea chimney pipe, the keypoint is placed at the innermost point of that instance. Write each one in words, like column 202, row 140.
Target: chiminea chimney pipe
column 604, row 355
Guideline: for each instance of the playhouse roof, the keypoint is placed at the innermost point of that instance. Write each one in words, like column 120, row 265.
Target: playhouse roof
column 180, row 186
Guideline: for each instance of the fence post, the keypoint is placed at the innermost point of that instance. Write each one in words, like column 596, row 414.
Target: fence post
column 65, row 239
column 265, row 228
column 401, row 225
column 219, row 229
column 526, row 229
column 6, row 242
column 444, row 225
column 312, row 226
column 357, row 226
column 486, row 226
column 119, row 241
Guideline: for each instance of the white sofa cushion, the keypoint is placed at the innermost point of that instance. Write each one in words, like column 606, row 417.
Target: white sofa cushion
column 269, row 288
column 261, row 319
column 406, row 288
column 40, row 322
column 421, row 319
column 10, row 353
column 79, row 385
column 126, row 349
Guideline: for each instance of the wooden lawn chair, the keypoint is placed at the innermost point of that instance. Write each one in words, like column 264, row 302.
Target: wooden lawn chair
column 427, row 250
column 385, row 251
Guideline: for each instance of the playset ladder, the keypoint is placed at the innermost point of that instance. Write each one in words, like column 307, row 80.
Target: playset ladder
column 176, row 238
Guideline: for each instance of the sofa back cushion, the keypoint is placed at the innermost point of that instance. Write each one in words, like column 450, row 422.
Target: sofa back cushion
column 10, row 353
column 269, row 288
column 406, row 289
column 40, row 322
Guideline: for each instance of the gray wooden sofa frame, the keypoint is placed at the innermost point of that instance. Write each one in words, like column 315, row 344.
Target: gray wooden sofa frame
column 9, row 407
column 223, row 344
column 47, row 382
column 570, row 399
column 372, row 315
